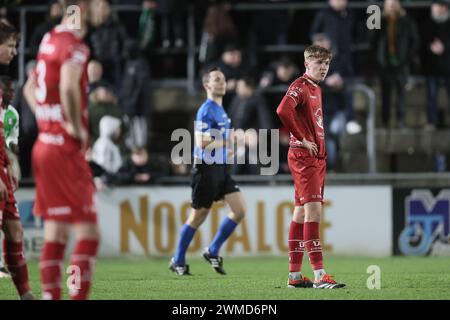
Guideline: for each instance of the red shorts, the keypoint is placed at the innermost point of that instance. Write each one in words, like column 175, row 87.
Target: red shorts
column 64, row 186
column 309, row 176
column 8, row 207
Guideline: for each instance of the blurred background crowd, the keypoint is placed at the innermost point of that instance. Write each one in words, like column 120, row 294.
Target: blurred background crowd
column 147, row 59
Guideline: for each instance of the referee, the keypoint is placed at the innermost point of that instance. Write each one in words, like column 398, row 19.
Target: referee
column 210, row 181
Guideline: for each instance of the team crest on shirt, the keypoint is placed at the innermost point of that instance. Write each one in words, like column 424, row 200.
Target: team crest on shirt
column 319, row 118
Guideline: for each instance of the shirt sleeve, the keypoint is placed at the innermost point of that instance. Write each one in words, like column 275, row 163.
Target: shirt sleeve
column 287, row 110
column 74, row 52
column 204, row 122
column 295, row 93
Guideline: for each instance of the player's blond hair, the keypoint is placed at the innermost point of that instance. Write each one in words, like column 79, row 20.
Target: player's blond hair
column 317, row 52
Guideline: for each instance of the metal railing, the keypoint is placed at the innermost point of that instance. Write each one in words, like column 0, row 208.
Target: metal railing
column 370, row 123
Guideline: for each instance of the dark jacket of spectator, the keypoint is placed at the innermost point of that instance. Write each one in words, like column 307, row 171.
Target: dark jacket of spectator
column 107, row 44
column 406, row 42
column 435, row 64
column 107, row 41
column 135, row 90
column 249, row 113
column 338, row 26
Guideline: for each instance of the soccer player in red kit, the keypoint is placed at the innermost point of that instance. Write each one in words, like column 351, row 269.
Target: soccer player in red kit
column 301, row 113
column 9, row 216
column 57, row 93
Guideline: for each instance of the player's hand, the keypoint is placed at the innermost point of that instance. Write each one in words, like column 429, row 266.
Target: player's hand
column 311, row 146
column 3, row 191
column 13, row 178
column 80, row 134
column 437, row 47
column 142, row 177
column 230, row 152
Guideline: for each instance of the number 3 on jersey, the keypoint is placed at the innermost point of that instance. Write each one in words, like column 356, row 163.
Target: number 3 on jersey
column 41, row 88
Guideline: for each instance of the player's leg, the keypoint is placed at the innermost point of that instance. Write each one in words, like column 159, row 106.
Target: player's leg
column 4, row 273
column 82, row 261
column 194, row 221
column 322, row 280
column 236, row 202
column 56, row 234
column 311, row 233
column 13, row 255
column 313, row 197
column 296, row 250
column 237, row 205
column 295, row 236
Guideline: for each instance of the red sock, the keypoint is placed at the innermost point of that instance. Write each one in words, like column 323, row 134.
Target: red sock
column 312, row 244
column 83, row 257
column 17, row 265
column 296, row 246
column 51, row 266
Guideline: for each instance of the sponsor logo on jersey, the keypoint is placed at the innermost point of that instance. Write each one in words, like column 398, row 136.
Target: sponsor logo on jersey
column 49, row 113
column 318, row 116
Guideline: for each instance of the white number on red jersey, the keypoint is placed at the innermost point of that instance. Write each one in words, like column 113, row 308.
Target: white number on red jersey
column 41, row 87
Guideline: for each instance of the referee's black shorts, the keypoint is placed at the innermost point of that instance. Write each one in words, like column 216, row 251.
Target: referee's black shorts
column 210, row 182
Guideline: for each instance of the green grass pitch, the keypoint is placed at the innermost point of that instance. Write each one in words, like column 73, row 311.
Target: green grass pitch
column 260, row 278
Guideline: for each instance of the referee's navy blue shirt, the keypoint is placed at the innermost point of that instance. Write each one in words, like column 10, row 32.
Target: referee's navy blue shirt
column 211, row 116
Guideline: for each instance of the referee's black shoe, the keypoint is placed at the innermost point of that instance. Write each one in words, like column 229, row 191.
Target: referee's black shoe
column 179, row 270
column 215, row 261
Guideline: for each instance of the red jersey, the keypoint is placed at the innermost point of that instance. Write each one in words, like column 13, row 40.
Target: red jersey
column 301, row 113
column 60, row 45
column 4, row 161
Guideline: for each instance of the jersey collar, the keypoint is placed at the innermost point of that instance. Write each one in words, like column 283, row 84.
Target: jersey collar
column 314, row 83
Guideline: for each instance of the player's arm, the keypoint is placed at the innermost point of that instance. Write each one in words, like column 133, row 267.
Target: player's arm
column 204, row 139
column 205, row 134
column 70, row 93
column 28, row 92
column 288, row 115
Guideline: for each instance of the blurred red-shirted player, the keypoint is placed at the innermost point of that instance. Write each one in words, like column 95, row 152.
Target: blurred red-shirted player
column 301, row 113
column 57, row 92
column 9, row 217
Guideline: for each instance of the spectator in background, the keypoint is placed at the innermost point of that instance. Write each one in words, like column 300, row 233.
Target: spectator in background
column 105, row 151
column 27, row 125
column 102, row 102
column 135, row 170
column 107, row 40
column 395, row 44
column 232, row 67
column 173, row 22
column 54, row 16
column 435, row 33
column 333, row 99
column 280, row 74
column 218, row 31
column 248, row 110
column 337, row 23
column 147, row 25
column 95, row 74
column 135, row 96
column 3, row 12
column 178, row 167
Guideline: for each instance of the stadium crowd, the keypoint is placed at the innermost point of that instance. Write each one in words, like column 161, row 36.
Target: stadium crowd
column 124, row 66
